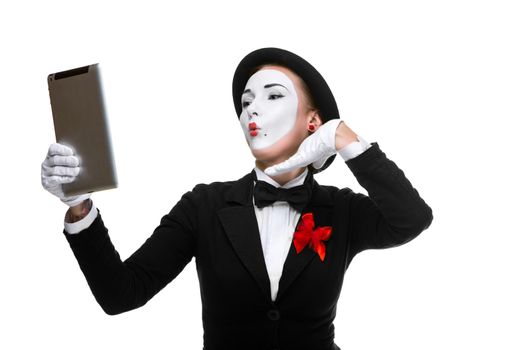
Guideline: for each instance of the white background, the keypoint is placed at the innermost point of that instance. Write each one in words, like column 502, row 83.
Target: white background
column 438, row 84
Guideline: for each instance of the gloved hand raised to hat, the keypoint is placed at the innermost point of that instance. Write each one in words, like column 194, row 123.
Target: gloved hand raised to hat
column 316, row 148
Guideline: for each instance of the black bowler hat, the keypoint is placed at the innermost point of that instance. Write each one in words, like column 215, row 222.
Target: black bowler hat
column 322, row 95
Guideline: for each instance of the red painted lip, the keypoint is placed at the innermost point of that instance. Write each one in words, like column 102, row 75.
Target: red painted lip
column 254, row 132
column 252, row 126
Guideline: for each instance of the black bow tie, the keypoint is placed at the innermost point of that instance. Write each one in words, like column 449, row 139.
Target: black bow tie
column 265, row 194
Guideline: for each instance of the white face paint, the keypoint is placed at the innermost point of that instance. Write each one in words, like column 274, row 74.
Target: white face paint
column 269, row 108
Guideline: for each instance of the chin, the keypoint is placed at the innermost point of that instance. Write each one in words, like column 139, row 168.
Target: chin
column 267, row 154
column 276, row 153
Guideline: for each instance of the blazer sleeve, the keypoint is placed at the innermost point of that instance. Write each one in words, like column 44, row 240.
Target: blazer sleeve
column 393, row 213
column 122, row 286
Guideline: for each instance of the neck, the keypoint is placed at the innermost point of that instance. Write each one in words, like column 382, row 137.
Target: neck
column 283, row 178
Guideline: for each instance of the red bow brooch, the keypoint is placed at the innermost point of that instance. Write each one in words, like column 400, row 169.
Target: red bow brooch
column 307, row 235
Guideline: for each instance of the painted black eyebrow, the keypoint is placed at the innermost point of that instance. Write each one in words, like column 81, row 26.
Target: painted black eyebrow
column 266, row 87
column 270, row 85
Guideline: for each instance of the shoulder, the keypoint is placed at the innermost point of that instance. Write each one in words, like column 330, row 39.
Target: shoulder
column 215, row 188
column 333, row 191
column 222, row 191
column 330, row 195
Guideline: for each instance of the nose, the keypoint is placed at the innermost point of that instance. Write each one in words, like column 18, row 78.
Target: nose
column 252, row 110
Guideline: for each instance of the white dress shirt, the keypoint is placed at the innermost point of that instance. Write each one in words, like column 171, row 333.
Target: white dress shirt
column 276, row 222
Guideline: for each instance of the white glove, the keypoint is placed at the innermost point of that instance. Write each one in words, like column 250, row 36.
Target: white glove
column 60, row 167
column 315, row 150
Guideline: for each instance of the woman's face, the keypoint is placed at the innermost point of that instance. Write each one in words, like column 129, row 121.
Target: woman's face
column 274, row 117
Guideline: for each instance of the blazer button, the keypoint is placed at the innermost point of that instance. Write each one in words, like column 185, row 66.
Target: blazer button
column 273, row 315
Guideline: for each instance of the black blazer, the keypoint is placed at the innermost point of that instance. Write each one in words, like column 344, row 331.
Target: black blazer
column 216, row 224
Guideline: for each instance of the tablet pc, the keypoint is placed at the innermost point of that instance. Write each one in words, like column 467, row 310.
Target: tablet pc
column 80, row 122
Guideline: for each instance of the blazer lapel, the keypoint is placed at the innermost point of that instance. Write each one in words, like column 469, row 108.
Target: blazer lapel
column 240, row 224
column 296, row 263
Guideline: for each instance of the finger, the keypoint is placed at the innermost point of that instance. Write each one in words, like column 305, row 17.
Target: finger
column 59, row 149
column 271, row 171
column 60, row 171
column 49, row 181
column 69, row 161
column 294, row 162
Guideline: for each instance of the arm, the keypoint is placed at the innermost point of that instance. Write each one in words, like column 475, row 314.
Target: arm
column 122, row 286
column 354, row 148
column 80, row 217
column 393, row 214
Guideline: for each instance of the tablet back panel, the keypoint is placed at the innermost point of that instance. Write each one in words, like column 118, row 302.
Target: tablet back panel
column 80, row 122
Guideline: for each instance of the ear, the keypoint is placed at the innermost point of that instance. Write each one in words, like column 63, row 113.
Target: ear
column 314, row 121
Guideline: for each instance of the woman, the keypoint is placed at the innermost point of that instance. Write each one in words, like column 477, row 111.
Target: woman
column 271, row 248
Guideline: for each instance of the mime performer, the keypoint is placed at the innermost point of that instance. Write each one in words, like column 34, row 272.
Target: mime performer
column 271, row 248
